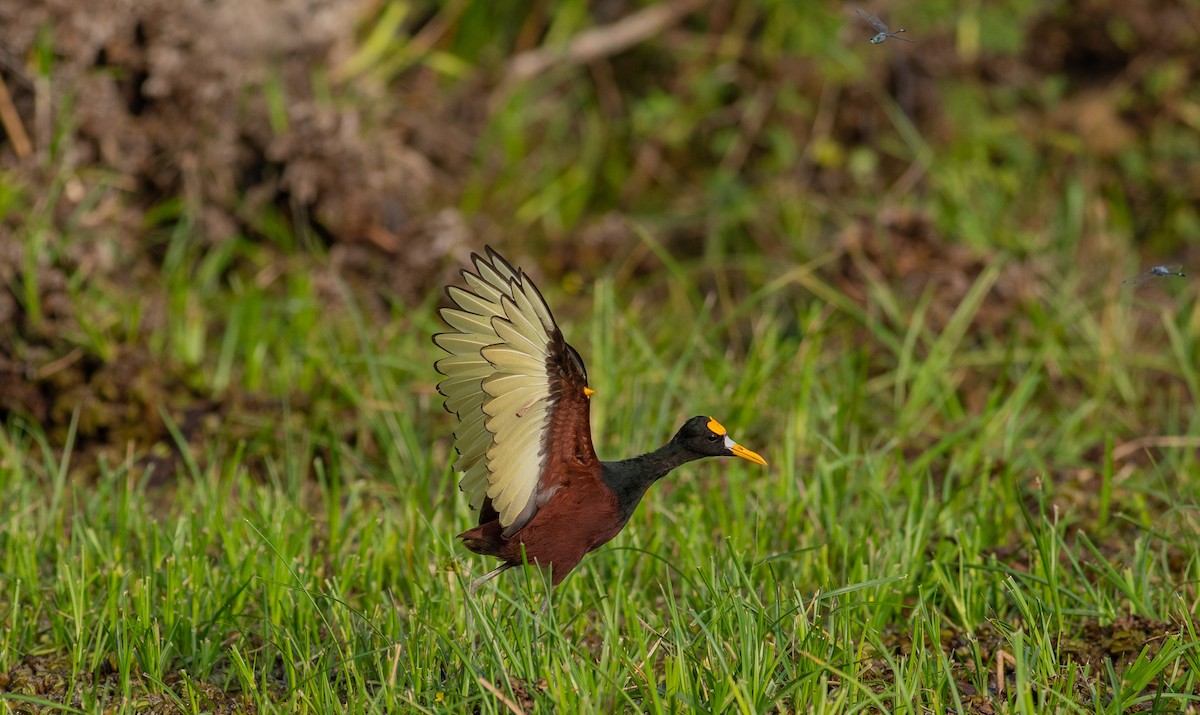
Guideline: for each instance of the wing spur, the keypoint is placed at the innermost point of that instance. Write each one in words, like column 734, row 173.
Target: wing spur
column 503, row 381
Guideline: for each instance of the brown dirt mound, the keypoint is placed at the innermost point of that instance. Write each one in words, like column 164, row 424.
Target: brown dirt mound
column 228, row 104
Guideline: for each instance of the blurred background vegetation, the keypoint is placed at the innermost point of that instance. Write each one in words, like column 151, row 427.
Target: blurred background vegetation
column 174, row 171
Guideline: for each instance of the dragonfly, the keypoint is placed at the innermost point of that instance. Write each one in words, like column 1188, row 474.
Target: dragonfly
column 1155, row 272
column 881, row 28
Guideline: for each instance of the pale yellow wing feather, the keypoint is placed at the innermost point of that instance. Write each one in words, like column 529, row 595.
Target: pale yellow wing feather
column 497, row 383
column 511, row 361
column 515, row 340
column 466, row 322
column 480, row 303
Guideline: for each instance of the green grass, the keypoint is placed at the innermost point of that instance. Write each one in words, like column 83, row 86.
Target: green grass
column 898, row 543
column 983, row 491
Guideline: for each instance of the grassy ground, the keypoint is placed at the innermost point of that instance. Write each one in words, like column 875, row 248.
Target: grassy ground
column 982, row 489
column 902, row 550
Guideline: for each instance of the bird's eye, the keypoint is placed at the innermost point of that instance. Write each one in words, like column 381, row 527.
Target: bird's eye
column 713, row 437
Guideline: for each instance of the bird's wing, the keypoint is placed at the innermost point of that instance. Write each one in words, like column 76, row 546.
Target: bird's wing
column 517, row 388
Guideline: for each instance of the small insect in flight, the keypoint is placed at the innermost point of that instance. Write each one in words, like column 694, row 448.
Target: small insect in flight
column 881, row 28
column 1155, row 272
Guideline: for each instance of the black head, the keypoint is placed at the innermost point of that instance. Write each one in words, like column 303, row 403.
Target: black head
column 708, row 438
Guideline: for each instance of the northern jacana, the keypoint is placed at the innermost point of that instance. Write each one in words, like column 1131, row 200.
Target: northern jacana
column 524, row 434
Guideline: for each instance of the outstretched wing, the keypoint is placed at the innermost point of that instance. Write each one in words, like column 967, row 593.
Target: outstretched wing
column 517, row 388
column 875, row 22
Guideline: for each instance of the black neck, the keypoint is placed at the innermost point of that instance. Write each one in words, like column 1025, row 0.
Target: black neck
column 630, row 478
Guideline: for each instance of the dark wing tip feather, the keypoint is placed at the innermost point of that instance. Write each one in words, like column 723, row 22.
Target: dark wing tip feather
column 494, row 254
column 495, row 258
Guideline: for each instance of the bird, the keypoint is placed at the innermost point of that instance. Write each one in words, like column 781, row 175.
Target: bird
column 1155, row 272
column 523, row 436
column 881, row 28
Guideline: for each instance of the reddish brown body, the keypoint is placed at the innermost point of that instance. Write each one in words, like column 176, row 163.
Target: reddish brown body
column 578, row 518
column 577, row 511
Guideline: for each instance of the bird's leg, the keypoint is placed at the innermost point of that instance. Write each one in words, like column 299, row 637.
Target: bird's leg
column 487, row 577
column 476, row 583
column 547, row 603
column 540, row 617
